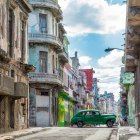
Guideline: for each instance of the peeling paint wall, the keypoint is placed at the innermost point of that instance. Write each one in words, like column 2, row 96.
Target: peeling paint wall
column 15, row 108
column 131, row 105
column 3, row 25
column 34, row 21
column 34, row 57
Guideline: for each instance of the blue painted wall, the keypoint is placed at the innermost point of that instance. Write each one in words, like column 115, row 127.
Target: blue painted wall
column 34, row 55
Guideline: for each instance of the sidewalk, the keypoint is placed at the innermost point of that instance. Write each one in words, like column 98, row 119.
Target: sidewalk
column 127, row 133
column 15, row 134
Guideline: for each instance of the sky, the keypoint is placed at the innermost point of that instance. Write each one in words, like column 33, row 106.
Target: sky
column 92, row 26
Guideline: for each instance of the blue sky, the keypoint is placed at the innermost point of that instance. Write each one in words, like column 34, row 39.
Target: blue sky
column 92, row 27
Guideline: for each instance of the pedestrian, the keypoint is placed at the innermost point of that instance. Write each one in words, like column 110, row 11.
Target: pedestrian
column 125, row 120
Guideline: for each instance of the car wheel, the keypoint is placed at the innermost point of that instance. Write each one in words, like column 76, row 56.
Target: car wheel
column 109, row 123
column 79, row 124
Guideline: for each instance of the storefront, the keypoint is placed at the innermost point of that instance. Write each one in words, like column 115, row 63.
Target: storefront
column 66, row 109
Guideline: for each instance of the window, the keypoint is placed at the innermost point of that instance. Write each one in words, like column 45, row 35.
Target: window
column 56, row 63
column 53, row 26
column 81, row 114
column 96, row 113
column 43, row 23
column 44, row 93
column 12, row 73
column 22, row 40
column 10, row 51
column 89, row 113
column 53, row 64
column 43, row 56
column 56, row 29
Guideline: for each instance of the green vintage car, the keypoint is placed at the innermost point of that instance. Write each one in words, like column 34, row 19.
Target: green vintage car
column 92, row 117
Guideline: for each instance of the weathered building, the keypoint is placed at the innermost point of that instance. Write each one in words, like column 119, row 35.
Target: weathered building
column 132, row 53
column 48, row 51
column 89, row 82
column 106, row 103
column 13, row 65
column 95, row 90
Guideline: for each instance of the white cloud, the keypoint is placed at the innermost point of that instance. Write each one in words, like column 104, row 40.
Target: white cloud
column 111, row 60
column 107, row 71
column 84, row 60
column 92, row 16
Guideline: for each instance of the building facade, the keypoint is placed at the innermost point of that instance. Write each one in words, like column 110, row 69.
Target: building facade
column 13, row 65
column 48, row 51
column 107, row 103
column 95, row 90
column 132, row 52
column 89, row 93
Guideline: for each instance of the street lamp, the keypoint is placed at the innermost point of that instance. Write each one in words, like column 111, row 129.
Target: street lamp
column 111, row 49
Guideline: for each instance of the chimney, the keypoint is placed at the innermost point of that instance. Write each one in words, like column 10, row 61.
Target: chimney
column 76, row 54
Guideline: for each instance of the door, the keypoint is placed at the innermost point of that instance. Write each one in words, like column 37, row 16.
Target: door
column 88, row 117
column 96, row 118
column 2, row 114
column 42, row 115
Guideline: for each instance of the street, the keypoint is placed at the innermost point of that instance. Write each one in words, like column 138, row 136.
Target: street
column 67, row 133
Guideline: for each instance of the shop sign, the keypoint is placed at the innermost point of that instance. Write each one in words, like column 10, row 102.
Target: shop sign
column 128, row 78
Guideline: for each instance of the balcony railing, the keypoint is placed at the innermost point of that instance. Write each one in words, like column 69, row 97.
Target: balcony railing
column 44, row 37
column 6, row 85
column 64, row 56
column 45, row 78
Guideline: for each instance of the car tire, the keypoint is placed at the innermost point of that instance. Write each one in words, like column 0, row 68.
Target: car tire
column 79, row 124
column 109, row 124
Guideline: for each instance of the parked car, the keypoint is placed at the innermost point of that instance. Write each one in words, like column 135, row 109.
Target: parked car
column 94, row 117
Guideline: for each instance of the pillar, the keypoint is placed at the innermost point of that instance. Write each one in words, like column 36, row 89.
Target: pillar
column 50, row 110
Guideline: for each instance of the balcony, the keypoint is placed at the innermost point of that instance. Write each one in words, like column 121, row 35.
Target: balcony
column 45, row 38
column 134, row 7
column 134, row 40
column 130, row 49
column 6, row 85
column 21, row 90
column 52, row 5
column 130, row 63
column 133, row 18
column 63, row 56
column 41, row 78
column 134, row 3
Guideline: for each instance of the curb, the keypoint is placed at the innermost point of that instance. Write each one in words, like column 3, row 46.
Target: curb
column 118, row 134
column 32, row 132
column 13, row 137
column 113, row 135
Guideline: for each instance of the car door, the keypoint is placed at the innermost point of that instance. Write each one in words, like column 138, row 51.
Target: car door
column 88, row 117
column 96, row 117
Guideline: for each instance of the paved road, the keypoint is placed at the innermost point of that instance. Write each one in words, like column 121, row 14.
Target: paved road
column 67, row 133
